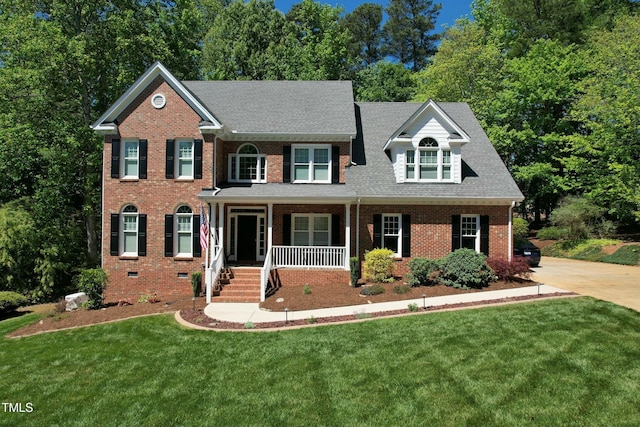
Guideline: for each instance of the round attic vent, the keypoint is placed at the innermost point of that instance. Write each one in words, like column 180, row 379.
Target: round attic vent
column 158, row 100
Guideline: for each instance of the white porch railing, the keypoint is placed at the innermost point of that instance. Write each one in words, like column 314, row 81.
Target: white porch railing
column 265, row 272
column 216, row 267
column 309, row 256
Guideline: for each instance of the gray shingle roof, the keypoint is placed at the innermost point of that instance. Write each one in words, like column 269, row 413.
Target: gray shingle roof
column 485, row 175
column 303, row 193
column 302, row 107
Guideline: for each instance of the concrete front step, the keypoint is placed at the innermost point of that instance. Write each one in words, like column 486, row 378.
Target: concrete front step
column 240, row 285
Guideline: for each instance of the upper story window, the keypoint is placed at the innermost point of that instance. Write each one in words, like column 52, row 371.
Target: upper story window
column 129, row 159
column 312, row 163
column 129, row 235
column 247, row 165
column 184, row 159
column 429, row 162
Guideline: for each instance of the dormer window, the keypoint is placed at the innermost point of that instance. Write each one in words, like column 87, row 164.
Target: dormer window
column 429, row 162
column 247, row 165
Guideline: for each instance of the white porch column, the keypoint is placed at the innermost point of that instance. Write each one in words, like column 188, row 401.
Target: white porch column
column 347, row 235
column 211, row 249
column 269, row 226
column 221, row 225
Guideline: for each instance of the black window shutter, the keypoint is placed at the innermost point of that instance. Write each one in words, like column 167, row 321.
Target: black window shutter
column 115, row 158
column 377, row 231
column 406, row 235
column 168, row 235
column 286, row 163
column 142, row 235
column 115, row 237
column 197, row 159
column 484, row 234
column 455, row 232
column 195, row 234
column 171, row 152
column 142, row 147
column 335, row 164
column 286, row 229
column 335, row 230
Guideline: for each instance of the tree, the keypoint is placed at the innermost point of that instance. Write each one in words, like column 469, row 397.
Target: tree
column 407, row 31
column 384, row 81
column 364, row 25
column 603, row 161
column 241, row 43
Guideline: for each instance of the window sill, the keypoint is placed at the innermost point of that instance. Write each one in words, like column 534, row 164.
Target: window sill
column 128, row 257
column 184, row 180
column 129, row 179
column 183, row 258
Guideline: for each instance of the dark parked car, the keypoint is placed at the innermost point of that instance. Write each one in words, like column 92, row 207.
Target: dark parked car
column 524, row 248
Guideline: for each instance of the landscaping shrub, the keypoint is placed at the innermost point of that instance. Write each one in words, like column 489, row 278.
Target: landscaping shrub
column 379, row 265
column 509, row 270
column 413, row 307
column 520, row 227
column 373, row 290
column 401, row 289
column 354, row 266
column 423, row 272
column 306, row 290
column 553, row 233
column 93, row 283
column 582, row 218
column 465, row 268
column 196, row 283
column 10, row 301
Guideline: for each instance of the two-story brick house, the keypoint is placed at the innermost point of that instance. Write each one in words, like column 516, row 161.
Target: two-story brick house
column 294, row 177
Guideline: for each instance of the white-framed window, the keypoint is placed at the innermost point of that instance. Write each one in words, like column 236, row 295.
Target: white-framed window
column 183, row 242
column 392, row 233
column 470, row 232
column 184, row 154
column 129, row 231
column 311, row 229
column 311, row 163
column 247, row 165
column 433, row 162
column 130, row 159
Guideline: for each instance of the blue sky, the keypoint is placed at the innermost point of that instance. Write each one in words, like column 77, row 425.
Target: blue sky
column 451, row 9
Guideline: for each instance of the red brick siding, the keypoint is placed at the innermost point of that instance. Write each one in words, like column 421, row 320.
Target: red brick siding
column 297, row 276
column 154, row 196
column 431, row 229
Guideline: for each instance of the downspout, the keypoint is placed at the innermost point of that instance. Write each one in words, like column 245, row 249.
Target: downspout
column 510, row 255
column 358, row 228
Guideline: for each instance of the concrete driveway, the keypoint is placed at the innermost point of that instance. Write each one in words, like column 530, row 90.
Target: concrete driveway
column 619, row 284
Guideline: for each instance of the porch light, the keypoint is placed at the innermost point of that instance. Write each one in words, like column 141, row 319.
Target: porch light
column 286, row 315
column 424, row 301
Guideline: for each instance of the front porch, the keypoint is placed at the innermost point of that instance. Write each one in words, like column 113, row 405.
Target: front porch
column 298, row 242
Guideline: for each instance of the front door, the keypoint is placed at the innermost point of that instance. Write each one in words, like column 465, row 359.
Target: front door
column 247, row 237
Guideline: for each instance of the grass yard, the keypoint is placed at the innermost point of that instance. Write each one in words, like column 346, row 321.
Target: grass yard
column 559, row 362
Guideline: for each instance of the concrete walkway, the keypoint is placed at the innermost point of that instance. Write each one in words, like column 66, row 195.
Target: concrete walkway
column 242, row 313
column 619, row 284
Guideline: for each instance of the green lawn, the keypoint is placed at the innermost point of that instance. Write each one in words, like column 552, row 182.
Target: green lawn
column 557, row 362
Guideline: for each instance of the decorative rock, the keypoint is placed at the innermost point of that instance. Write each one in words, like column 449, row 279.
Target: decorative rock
column 280, row 300
column 74, row 301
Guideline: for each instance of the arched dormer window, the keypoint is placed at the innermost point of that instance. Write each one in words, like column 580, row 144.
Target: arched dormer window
column 247, row 165
column 429, row 162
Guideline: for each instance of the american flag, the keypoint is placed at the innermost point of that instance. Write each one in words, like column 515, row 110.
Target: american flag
column 204, row 230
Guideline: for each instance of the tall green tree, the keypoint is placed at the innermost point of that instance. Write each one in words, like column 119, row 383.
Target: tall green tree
column 365, row 26
column 384, row 82
column 408, row 31
column 603, row 159
column 63, row 63
column 242, row 42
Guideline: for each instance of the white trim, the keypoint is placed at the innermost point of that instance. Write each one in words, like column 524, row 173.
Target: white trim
column 158, row 101
column 122, row 233
column 138, row 87
column 311, row 163
column 176, row 157
column 260, row 214
column 176, row 233
column 235, row 158
column 397, row 254
column 123, row 158
column 477, row 233
column 311, row 230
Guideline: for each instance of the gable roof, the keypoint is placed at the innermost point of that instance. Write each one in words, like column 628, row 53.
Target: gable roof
column 457, row 134
column 105, row 122
column 484, row 174
column 320, row 110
